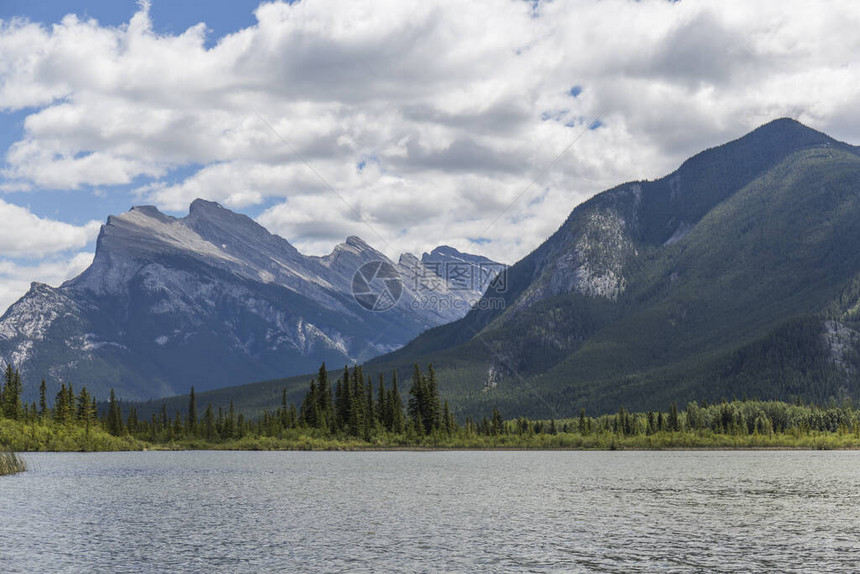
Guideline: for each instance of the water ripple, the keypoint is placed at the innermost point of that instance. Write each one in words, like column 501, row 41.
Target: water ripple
column 433, row 512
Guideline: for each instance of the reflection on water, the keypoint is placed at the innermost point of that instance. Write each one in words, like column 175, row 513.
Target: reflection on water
column 433, row 511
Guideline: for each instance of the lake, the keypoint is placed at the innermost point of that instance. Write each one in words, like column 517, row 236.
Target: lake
column 786, row 511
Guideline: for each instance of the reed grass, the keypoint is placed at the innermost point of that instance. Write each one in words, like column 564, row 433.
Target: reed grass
column 11, row 463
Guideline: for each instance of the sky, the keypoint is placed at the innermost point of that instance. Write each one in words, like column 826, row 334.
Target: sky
column 409, row 123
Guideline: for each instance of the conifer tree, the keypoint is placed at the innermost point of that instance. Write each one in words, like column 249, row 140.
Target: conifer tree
column 86, row 409
column 85, row 405
column 417, row 400
column 191, row 424
column 369, row 415
column 43, row 399
column 356, row 403
column 209, row 423
column 498, row 423
column 447, row 419
column 293, row 417
column 60, row 405
column 382, row 412
column 650, row 423
column 230, row 423
column 370, row 407
column 433, row 412
column 114, row 416
column 674, row 423
column 155, row 428
column 132, row 422
column 71, row 408
column 398, row 422
column 10, row 395
column 177, row 425
column 310, row 406
column 342, row 395
column 324, row 401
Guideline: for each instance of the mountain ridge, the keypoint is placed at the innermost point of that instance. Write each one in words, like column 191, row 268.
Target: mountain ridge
column 601, row 313
column 163, row 294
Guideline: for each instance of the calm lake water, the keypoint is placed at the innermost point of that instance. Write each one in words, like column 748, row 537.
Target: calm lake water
column 433, row 512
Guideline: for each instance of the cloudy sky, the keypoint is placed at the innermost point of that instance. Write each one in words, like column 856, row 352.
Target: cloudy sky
column 410, row 123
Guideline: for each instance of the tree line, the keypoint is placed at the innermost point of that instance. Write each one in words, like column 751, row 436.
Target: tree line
column 355, row 408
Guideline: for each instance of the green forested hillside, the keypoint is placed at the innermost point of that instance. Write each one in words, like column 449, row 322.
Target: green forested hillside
column 756, row 297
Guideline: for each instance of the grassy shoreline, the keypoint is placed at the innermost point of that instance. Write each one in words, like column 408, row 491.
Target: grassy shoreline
column 63, row 439
column 383, row 425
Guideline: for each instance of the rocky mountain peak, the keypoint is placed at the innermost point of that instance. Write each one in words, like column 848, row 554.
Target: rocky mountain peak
column 447, row 253
column 203, row 206
column 209, row 299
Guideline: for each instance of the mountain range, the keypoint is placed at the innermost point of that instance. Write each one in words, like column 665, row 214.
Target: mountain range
column 737, row 275
column 213, row 299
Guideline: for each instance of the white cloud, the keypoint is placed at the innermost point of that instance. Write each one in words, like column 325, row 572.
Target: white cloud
column 15, row 278
column 451, row 109
column 25, row 234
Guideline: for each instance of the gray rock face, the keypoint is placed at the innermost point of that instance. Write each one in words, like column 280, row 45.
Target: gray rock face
column 588, row 255
column 210, row 300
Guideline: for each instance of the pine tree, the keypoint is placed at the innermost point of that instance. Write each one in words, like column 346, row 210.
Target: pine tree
column 43, row 400
column 498, row 423
column 114, row 416
column 356, row 403
column 177, row 425
column 71, row 407
column 155, row 428
column 417, row 400
column 433, row 412
column 398, row 421
column 86, row 409
column 447, row 419
column 230, row 423
column 293, row 417
column 283, row 412
column 85, row 405
column 209, row 423
column 240, row 425
column 324, row 401
column 342, row 394
column 674, row 423
column 382, row 411
column 369, row 415
column 191, row 423
column 310, row 406
column 60, row 414
column 10, row 395
column 132, row 422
